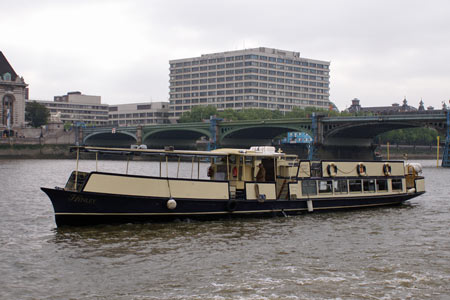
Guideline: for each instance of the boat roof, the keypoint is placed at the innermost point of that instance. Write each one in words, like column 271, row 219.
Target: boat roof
column 250, row 152
column 169, row 152
column 138, row 151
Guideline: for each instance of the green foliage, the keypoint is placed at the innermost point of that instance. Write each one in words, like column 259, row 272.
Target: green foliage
column 68, row 126
column 306, row 112
column 415, row 136
column 200, row 113
column 37, row 114
column 257, row 114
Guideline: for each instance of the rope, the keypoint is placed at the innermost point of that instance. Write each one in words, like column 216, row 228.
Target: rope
column 168, row 185
column 346, row 172
column 302, row 170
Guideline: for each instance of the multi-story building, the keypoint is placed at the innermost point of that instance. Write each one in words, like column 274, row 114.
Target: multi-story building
column 251, row 78
column 76, row 107
column 13, row 93
column 139, row 114
column 380, row 110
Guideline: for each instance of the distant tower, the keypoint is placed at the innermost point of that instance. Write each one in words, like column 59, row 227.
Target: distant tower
column 421, row 107
column 355, row 107
column 13, row 92
column 405, row 104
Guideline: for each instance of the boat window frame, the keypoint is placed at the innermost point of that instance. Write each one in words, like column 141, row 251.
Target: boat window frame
column 397, row 180
column 372, row 187
column 377, row 185
column 350, row 186
column 162, row 157
column 328, row 185
column 305, row 187
column 336, row 185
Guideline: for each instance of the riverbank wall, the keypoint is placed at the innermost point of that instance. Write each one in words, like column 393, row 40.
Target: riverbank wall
column 402, row 152
column 36, row 151
column 62, row 151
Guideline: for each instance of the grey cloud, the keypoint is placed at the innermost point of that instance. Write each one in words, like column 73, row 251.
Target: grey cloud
column 380, row 51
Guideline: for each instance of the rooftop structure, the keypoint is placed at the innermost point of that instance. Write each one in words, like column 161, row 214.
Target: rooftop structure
column 394, row 108
column 144, row 113
column 251, row 78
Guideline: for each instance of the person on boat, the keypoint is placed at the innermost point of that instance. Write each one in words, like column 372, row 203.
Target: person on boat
column 261, row 176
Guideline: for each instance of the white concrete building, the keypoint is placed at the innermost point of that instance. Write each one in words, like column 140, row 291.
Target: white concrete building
column 251, row 78
column 76, row 107
column 133, row 114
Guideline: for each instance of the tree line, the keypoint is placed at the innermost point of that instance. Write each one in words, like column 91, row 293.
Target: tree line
column 409, row 136
column 200, row 113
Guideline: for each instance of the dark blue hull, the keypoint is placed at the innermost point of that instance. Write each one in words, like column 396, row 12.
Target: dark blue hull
column 81, row 208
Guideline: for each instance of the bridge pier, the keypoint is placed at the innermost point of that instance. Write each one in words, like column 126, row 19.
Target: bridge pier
column 139, row 135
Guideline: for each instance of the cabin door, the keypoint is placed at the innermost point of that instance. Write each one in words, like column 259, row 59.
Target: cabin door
column 268, row 164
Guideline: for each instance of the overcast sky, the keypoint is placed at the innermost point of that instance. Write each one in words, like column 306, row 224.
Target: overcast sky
column 380, row 51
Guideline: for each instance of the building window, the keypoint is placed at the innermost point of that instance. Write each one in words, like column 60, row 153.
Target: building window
column 7, row 76
column 8, row 105
column 144, row 106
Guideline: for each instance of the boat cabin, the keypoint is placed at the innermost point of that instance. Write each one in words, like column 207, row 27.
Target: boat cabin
column 255, row 172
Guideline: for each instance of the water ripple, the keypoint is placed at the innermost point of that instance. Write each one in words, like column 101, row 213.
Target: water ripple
column 386, row 253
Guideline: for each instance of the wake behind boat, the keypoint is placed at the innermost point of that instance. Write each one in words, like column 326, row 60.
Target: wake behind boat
column 242, row 182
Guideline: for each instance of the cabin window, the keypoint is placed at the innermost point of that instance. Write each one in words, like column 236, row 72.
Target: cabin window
column 397, row 185
column 221, row 173
column 325, row 186
column 369, row 185
column 309, row 187
column 340, row 186
column 382, row 185
column 355, row 185
column 316, row 170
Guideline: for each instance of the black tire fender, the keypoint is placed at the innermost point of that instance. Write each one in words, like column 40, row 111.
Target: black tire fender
column 232, row 205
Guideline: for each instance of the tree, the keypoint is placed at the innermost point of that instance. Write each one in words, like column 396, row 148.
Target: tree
column 198, row 114
column 36, row 114
column 418, row 136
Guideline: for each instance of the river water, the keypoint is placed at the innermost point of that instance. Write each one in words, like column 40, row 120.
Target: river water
column 385, row 253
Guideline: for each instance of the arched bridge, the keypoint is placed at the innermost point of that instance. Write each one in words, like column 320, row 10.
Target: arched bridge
column 337, row 137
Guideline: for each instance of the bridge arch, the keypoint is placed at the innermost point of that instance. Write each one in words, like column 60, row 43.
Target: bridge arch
column 181, row 137
column 260, row 134
column 118, row 139
column 370, row 130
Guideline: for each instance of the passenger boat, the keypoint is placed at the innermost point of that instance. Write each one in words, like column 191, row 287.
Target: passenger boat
column 241, row 182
